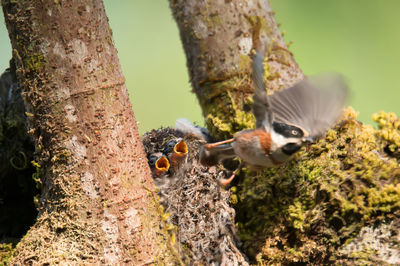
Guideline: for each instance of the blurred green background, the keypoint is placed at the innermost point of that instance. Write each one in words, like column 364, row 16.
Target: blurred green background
column 360, row 39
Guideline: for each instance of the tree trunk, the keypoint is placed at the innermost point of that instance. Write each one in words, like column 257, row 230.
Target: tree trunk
column 98, row 203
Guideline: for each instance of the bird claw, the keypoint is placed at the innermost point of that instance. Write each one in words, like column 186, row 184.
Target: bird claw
column 226, row 182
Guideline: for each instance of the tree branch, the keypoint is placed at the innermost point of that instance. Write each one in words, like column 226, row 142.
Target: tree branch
column 335, row 197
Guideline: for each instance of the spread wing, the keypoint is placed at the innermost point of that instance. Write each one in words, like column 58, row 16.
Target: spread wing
column 261, row 105
column 313, row 104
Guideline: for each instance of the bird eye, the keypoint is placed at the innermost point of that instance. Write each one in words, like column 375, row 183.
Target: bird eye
column 171, row 144
column 288, row 131
column 169, row 147
column 152, row 160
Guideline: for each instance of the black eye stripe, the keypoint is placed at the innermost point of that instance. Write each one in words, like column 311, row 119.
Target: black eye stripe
column 288, row 131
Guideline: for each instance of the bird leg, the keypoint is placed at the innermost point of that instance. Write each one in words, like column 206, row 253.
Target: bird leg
column 226, row 182
column 213, row 153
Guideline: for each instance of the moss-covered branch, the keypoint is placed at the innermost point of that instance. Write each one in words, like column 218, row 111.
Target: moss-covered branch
column 325, row 205
column 313, row 209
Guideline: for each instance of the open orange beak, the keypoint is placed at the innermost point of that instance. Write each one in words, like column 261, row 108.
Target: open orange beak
column 161, row 166
column 179, row 153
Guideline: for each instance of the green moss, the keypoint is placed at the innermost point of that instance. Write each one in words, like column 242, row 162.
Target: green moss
column 234, row 199
column 236, row 114
column 244, row 62
column 36, row 175
column 167, row 236
column 6, row 253
column 260, row 24
column 34, row 61
column 215, row 21
column 297, row 215
column 304, row 211
column 364, row 256
column 389, row 126
column 231, row 120
column 227, row 103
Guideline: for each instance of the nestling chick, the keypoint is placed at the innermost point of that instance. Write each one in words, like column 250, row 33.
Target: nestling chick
column 159, row 164
column 285, row 121
column 177, row 152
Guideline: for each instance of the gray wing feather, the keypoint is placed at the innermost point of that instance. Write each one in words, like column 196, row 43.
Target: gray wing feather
column 261, row 105
column 313, row 104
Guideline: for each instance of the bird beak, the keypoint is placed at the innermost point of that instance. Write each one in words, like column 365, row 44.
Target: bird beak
column 161, row 166
column 179, row 153
column 308, row 139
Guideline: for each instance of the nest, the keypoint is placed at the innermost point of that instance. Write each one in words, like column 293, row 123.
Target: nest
column 198, row 206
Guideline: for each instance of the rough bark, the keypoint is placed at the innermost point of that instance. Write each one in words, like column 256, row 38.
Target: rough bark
column 97, row 203
column 218, row 38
